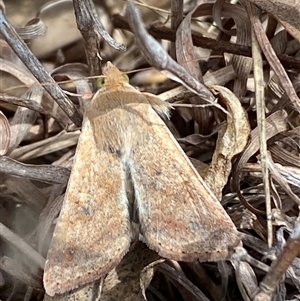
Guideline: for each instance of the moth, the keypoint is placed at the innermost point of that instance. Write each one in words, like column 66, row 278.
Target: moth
column 124, row 143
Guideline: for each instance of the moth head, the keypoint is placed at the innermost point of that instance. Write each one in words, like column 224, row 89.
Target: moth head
column 113, row 77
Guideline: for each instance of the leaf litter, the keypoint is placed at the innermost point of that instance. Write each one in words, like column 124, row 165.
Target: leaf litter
column 246, row 145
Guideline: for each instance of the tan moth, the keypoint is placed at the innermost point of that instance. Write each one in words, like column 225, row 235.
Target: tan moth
column 124, row 141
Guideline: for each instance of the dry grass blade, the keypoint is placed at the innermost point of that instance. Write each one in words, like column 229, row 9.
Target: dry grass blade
column 46, row 146
column 176, row 19
column 287, row 12
column 19, row 243
column 271, row 55
column 274, row 125
column 261, row 124
column 5, row 135
column 275, row 171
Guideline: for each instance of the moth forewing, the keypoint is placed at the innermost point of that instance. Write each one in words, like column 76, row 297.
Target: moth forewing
column 93, row 230
column 179, row 216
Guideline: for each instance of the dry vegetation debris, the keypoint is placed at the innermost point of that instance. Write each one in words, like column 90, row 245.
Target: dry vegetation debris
column 246, row 146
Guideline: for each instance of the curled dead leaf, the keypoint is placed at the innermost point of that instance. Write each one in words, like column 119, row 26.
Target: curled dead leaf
column 232, row 139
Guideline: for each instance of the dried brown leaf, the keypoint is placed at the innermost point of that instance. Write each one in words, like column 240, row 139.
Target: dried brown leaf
column 185, row 54
column 246, row 278
column 186, row 57
column 232, row 139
